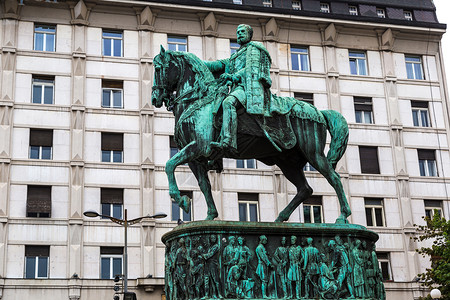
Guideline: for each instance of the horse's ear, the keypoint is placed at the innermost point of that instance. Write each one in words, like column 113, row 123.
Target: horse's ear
column 162, row 50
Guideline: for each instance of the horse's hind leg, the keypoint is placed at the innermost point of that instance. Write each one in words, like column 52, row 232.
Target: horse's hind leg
column 200, row 171
column 321, row 163
column 294, row 173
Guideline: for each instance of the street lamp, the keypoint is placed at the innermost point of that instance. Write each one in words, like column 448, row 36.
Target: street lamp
column 125, row 223
column 435, row 294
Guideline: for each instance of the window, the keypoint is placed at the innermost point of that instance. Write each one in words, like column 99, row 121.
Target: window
column 178, row 213
column 112, row 92
column 234, row 47
column 357, row 63
column 384, row 261
column 374, row 212
column 41, row 141
column 368, row 157
column 363, row 110
column 381, row 13
column 112, row 43
column 111, row 262
column 44, row 37
column 353, row 10
column 325, row 7
column 414, row 67
column 305, row 97
column 312, row 210
column 237, row 2
column 248, row 207
column 177, row 43
column 296, row 5
column 420, row 114
column 112, row 147
column 36, row 261
column 112, row 202
column 432, row 207
column 408, row 15
column 173, row 146
column 309, row 168
column 427, row 162
column 267, row 3
column 246, row 163
column 43, row 90
column 39, row 201
column 300, row 59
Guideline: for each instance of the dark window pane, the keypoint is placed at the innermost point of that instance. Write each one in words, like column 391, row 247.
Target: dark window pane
column 117, row 156
column 172, row 47
column 117, row 48
column 304, row 62
column 424, row 117
column 307, row 213
column 30, row 267
column 50, row 42
column 428, row 213
column 353, row 67
column 409, row 71
column 48, row 95
column 175, row 211
column 186, row 216
column 106, row 210
column 240, row 163
column 253, row 212
column 432, row 168
column 182, row 47
column 105, row 268
column 37, row 93
column 39, row 41
column 242, row 212
column 418, row 71
column 379, row 216
column 34, row 152
column 106, row 156
column 106, row 47
column 250, row 163
column 294, row 58
column 106, row 99
column 367, row 117
column 317, row 214
column 42, row 266
column 422, row 167
column 358, row 116
column 117, row 266
column 385, row 270
column 117, row 211
column 117, row 96
column 415, row 114
column 46, row 152
column 369, row 216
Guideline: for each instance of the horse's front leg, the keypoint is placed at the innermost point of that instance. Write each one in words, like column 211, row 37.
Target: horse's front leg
column 200, row 171
column 185, row 155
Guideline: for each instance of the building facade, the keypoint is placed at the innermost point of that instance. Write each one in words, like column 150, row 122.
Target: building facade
column 78, row 131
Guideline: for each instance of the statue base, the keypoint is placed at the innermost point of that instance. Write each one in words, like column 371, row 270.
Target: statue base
column 250, row 260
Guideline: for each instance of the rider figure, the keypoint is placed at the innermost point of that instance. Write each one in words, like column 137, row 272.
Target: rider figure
column 249, row 72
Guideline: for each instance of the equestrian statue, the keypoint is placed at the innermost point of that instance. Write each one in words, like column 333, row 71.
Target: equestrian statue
column 224, row 109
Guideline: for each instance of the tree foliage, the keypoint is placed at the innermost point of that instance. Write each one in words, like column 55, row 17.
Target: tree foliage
column 437, row 230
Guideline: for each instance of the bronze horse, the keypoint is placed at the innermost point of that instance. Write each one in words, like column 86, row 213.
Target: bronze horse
column 186, row 86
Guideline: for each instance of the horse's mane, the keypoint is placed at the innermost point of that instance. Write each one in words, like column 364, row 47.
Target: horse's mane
column 203, row 76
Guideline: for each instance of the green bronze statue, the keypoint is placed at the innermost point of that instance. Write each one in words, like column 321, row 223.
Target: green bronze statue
column 236, row 116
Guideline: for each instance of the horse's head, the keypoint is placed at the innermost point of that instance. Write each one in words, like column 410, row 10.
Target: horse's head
column 165, row 77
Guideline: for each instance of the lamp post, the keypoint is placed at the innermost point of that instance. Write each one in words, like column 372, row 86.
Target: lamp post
column 125, row 223
column 435, row 294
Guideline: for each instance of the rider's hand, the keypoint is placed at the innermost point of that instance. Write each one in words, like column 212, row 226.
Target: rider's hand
column 235, row 78
column 226, row 76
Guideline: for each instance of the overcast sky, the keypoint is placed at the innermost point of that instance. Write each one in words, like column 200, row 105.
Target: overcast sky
column 442, row 9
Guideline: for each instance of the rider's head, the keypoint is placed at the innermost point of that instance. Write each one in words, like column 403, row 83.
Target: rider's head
column 244, row 34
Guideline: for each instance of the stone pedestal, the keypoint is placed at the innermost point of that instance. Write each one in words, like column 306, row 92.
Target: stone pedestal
column 221, row 259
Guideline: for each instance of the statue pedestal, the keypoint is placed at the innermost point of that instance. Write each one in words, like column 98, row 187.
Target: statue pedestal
column 223, row 259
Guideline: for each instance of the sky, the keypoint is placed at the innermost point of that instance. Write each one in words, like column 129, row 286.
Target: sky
column 442, row 10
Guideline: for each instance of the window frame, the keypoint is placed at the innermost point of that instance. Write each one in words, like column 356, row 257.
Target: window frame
column 310, row 203
column 385, row 257
column 238, row 2
column 352, row 57
column 296, row 5
column 45, row 34
column 111, row 197
column 325, row 7
column 177, row 43
column 246, row 199
column 111, row 258
column 112, row 39
column 111, row 153
column 40, row 146
column 410, row 61
column 430, row 206
column 353, row 10
column 362, row 105
column 426, row 160
column 408, row 15
column 367, row 168
column 373, row 208
column 267, row 3
column 43, row 201
column 299, row 52
column 181, row 213
column 112, row 86
column 43, row 82
column 36, row 263
column 418, row 110
column 381, row 13
column 245, row 163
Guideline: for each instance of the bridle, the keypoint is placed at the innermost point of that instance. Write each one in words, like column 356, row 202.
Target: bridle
column 161, row 83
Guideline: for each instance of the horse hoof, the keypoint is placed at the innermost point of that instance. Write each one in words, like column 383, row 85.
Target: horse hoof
column 185, row 203
column 341, row 220
column 280, row 219
column 212, row 216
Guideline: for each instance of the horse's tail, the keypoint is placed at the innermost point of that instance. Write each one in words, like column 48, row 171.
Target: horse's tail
column 338, row 128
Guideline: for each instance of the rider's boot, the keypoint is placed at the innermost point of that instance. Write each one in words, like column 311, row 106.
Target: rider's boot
column 228, row 139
